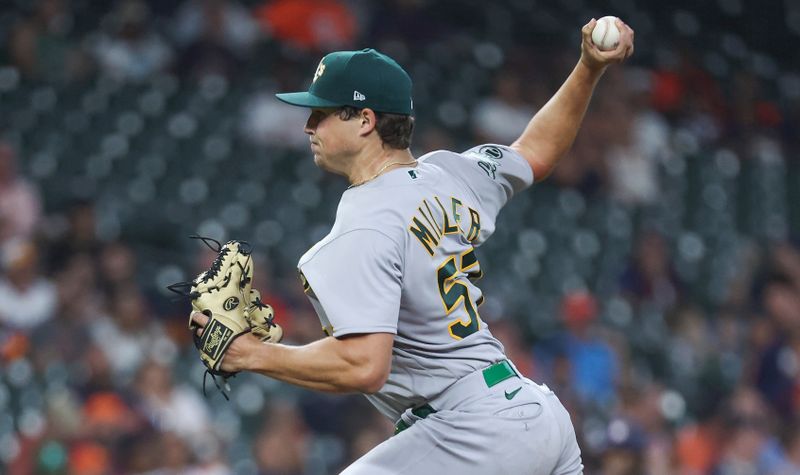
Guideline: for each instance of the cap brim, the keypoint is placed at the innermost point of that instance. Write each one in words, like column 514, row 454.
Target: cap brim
column 305, row 99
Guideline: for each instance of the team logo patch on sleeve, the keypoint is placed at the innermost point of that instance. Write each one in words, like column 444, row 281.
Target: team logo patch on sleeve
column 491, row 151
column 490, row 167
column 488, row 158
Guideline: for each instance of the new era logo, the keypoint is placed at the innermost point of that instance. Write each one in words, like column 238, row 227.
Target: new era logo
column 357, row 96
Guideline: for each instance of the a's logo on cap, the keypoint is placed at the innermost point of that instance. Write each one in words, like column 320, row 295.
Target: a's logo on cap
column 318, row 73
column 357, row 96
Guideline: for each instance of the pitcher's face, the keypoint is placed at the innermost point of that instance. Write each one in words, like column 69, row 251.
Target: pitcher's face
column 332, row 139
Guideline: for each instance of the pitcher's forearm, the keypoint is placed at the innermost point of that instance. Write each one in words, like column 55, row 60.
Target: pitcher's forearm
column 329, row 365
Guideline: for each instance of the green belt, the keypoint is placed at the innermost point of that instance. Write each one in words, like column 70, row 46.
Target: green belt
column 492, row 375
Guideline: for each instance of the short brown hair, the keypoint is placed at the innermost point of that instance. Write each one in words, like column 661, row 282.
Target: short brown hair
column 394, row 129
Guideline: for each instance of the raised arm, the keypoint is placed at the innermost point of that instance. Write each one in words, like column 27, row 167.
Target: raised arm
column 550, row 133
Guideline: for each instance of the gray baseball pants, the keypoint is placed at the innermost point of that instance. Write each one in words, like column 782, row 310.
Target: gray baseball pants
column 515, row 427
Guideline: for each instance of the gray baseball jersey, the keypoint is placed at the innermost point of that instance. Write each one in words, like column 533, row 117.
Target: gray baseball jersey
column 400, row 259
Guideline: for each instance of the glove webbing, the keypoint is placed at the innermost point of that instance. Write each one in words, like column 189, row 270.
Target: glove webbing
column 184, row 288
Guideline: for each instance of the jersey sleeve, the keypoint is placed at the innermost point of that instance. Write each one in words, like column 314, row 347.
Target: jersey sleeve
column 356, row 282
column 497, row 173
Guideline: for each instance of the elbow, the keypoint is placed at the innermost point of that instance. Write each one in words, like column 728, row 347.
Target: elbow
column 368, row 361
column 371, row 378
column 542, row 167
column 540, row 172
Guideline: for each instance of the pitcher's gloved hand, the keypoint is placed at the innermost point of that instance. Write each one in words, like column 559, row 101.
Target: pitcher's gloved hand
column 222, row 293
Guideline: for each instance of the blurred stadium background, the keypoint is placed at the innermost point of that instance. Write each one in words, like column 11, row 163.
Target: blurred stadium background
column 653, row 281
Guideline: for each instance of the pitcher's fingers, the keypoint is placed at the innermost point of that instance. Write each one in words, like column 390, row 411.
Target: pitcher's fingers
column 200, row 319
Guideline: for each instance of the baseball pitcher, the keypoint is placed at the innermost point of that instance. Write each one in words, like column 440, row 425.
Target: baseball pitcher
column 394, row 282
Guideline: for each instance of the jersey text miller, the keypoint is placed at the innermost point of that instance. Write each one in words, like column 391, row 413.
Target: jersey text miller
column 429, row 230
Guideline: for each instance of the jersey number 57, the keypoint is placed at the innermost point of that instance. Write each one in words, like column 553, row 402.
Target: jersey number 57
column 454, row 292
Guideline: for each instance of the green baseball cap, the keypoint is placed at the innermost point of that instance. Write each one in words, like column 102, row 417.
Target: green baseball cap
column 362, row 79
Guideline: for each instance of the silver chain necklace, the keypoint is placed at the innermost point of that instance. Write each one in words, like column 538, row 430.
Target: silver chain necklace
column 387, row 165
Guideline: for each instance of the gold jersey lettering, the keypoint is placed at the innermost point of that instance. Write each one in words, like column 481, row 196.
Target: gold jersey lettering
column 475, row 226
column 423, row 234
column 448, row 228
column 430, row 228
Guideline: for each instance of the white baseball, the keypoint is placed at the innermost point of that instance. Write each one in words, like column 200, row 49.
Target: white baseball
column 606, row 34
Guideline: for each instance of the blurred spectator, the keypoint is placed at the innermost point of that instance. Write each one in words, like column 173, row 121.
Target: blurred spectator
column 79, row 297
column 583, row 168
column 636, row 136
column 27, row 299
column 117, row 266
column 501, row 117
column 130, row 335
column 650, row 131
column 642, row 411
column 172, row 408
column 108, row 417
column 226, row 20
column 177, row 457
column 785, row 259
column 95, row 373
column 64, row 417
column 133, row 50
column 595, row 366
column 697, row 446
column 41, row 46
column 175, row 454
column 89, row 458
column 649, row 276
column 632, row 172
column 79, row 237
column 316, row 25
column 751, row 112
column 215, row 37
column 282, row 445
column 747, row 261
column 680, row 87
column 778, row 367
column 20, row 207
column 790, row 128
column 269, row 122
column 747, row 447
column 625, row 449
column 689, row 349
column 64, row 345
column 791, row 447
column 143, row 452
